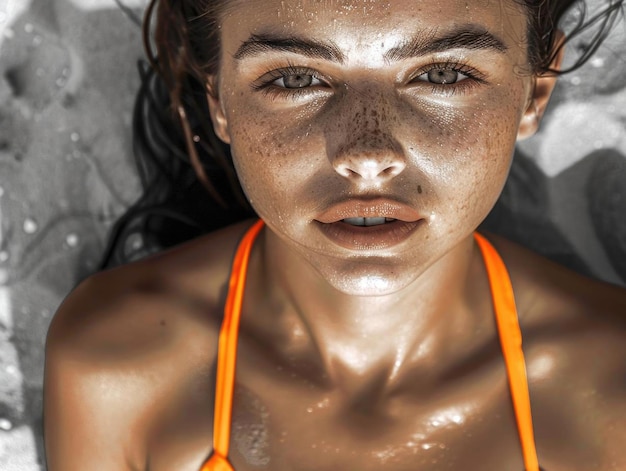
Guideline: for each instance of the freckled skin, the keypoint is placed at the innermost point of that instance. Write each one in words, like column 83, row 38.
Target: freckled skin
column 353, row 359
column 458, row 148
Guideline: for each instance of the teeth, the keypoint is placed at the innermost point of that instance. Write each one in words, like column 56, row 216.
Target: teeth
column 367, row 221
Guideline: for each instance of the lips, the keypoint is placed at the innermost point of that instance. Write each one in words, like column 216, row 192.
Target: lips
column 368, row 224
column 370, row 209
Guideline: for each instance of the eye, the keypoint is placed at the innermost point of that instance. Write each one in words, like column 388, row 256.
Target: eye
column 297, row 81
column 290, row 78
column 441, row 75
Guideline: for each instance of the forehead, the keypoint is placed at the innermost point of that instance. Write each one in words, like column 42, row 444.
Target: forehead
column 370, row 22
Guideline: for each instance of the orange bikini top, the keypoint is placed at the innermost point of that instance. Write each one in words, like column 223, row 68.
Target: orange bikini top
column 508, row 330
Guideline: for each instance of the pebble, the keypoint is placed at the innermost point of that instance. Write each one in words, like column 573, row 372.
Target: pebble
column 597, row 62
column 71, row 240
column 30, row 226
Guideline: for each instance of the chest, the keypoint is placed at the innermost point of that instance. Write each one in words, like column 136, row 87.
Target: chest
column 289, row 424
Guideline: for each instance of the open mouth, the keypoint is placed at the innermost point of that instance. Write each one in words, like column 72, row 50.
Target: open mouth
column 362, row 221
column 359, row 224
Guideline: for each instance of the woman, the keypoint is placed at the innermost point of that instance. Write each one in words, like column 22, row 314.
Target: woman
column 372, row 137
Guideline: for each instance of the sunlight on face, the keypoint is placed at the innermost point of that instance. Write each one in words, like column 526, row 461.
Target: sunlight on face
column 404, row 113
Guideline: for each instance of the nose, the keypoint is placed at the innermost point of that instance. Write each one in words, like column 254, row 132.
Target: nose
column 364, row 150
column 369, row 167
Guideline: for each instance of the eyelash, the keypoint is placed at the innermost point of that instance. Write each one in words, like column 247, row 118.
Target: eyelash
column 265, row 83
column 473, row 78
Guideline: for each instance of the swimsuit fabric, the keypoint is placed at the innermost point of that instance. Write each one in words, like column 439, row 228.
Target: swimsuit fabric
column 508, row 331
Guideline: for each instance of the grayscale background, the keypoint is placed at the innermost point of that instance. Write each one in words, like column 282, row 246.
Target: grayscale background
column 68, row 77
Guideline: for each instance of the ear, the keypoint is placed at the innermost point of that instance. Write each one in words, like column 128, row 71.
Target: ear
column 216, row 109
column 542, row 90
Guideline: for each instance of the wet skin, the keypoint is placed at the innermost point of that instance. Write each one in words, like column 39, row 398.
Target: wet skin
column 380, row 354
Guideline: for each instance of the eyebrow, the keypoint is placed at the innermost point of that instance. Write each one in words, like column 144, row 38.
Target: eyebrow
column 259, row 43
column 462, row 37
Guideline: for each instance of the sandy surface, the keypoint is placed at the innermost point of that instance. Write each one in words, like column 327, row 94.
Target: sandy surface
column 67, row 83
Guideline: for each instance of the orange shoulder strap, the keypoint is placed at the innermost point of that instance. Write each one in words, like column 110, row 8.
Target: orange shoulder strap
column 227, row 354
column 511, row 341
column 506, row 319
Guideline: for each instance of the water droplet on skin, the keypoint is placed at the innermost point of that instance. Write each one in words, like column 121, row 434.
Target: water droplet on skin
column 60, row 82
column 71, row 240
column 427, row 446
column 575, row 81
column 30, row 226
column 11, row 370
column 309, row 409
column 196, row 138
column 9, row 33
column 322, row 404
column 75, row 137
column 37, row 40
column 29, row 28
column 4, row 256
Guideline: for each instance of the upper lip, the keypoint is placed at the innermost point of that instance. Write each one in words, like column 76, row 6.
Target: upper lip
column 380, row 207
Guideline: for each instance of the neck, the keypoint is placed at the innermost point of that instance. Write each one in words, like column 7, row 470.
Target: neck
column 354, row 337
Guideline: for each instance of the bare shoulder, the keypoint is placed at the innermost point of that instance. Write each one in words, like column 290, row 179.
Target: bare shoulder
column 546, row 291
column 574, row 331
column 123, row 341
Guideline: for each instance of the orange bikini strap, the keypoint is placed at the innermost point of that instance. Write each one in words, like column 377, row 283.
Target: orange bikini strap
column 511, row 341
column 227, row 349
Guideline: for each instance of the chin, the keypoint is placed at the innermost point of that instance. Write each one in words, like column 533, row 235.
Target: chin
column 368, row 284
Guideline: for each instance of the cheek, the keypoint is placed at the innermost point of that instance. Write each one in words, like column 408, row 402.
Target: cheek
column 273, row 158
column 468, row 156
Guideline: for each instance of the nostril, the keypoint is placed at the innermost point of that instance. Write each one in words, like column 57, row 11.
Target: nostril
column 393, row 170
column 369, row 168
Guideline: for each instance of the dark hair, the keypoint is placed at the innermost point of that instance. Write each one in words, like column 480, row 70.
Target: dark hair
column 189, row 183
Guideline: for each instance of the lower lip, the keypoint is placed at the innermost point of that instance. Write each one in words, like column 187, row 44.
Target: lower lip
column 377, row 237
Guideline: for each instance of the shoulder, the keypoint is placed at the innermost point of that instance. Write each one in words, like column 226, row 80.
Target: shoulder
column 165, row 294
column 574, row 333
column 547, row 291
column 123, row 340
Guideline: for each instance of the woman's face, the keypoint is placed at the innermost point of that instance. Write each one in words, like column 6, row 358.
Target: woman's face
column 403, row 112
